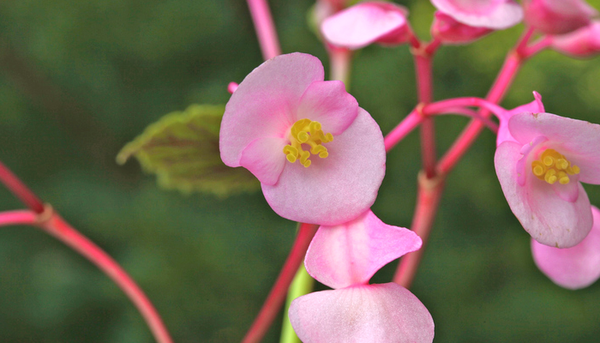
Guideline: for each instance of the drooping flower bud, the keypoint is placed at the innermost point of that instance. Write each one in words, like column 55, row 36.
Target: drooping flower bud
column 449, row 31
column 584, row 42
column 367, row 23
column 491, row 14
column 557, row 17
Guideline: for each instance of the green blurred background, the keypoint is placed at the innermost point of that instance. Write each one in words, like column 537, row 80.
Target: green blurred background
column 79, row 79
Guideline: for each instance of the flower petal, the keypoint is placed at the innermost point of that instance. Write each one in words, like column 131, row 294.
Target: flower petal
column 350, row 253
column 584, row 42
column 328, row 103
column 265, row 159
column 451, row 31
column 536, row 106
column 575, row 267
column 338, row 188
column 492, row 14
column 366, row 23
column 544, row 215
column 577, row 140
column 558, row 16
column 263, row 103
column 363, row 314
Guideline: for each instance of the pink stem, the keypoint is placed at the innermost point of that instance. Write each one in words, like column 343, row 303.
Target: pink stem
column 425, row 91
column 428, row 199
column 265, row 29
column 278, row 293
column 57, row 227
column 537, row 47
column 340, row 64
column 412, row 120
column 18, row 188
column 21, row 217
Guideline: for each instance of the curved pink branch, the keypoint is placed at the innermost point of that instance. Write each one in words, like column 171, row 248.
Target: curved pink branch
column 57, row 227
column 412, row 120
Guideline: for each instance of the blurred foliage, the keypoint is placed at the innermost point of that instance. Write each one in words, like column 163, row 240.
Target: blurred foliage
column 79, row 79
column 182, row 149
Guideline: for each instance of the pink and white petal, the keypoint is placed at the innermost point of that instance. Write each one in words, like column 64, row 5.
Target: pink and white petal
column 263, row 103
column 363, row 24
column 328, row 103
column 575, row 267
column 491, row 14
column 577, row 140
column 336, row 189
column 363, row 314
column 265, row 159
column 349, row 254
column 543, row 214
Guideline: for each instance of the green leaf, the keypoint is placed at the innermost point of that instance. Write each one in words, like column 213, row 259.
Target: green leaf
column 182, row 149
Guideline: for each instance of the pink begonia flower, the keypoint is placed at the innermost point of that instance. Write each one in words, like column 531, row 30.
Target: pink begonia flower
column 345, row 257
column 449, row 31
column 366, row 23
column 319, row 157
column 540, row 173
column 572, row 268
column 558, row 16
column 536, row 106
column 491, row 14
column 584, row 42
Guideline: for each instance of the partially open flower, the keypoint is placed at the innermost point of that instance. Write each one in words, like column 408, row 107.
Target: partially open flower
column 450, row 31
column 491, row 14
column 319, row 157
column 575, row 267
column 584, row 42
column 540, row 173
column 558, row 16
column 367, row 23
column 345, row 257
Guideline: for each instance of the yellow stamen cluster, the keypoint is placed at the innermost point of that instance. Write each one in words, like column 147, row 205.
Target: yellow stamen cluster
column 306, row 131
column 552, row 167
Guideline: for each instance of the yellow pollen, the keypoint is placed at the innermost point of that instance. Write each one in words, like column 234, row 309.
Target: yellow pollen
column 306, row 131
column 552, row 167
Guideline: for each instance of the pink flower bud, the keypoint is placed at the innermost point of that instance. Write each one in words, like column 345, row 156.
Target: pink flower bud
column 558, row 16
column 450, row 31
column 367, row 23
column 491, row 14
column 581, row 43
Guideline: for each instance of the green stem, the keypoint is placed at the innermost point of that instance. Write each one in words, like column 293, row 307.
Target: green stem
column 302, row 284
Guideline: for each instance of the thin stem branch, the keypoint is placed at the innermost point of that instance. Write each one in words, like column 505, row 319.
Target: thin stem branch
column 20, row 190
column 64, row 232
column 425, row 91
column 53, row 224
column 265, row 28
column 20, row 217
column 278, row 293
column 412, row 120
column 428, row 199
column 339, row 60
